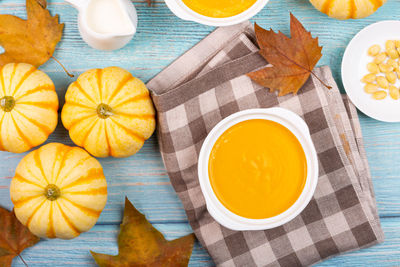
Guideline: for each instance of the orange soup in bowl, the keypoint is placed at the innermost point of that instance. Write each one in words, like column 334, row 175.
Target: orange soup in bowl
column 257, row 169
column 219, row 8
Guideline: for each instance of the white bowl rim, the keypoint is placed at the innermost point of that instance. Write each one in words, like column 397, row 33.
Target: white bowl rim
column 184, row 12
column 299, row 128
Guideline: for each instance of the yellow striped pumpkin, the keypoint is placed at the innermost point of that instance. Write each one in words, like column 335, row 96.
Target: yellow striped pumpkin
column 28, row 107
column 108, row 112
column 58, row 191
column 347, row 9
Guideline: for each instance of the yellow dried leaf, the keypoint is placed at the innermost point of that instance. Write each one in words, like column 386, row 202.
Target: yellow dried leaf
column 30, row 41
column 140, row 244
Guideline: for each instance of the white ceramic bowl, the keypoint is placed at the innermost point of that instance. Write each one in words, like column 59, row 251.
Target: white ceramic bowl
column 299, row 128
column 185, row 13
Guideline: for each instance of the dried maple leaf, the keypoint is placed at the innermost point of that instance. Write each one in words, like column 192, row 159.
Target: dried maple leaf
column 140, row 244
column 30, row 41
column 14, row 237
column 292, row 59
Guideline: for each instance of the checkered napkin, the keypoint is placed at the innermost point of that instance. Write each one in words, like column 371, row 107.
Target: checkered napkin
column 207, row 84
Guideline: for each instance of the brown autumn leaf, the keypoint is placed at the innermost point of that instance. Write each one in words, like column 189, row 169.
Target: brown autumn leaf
column 140, row 244
column 14, row 237
column 148, row 2
column 293, row 59
column 30, row 41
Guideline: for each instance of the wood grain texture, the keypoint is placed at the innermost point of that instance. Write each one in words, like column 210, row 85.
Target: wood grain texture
column 162, row 37
column 102, row 238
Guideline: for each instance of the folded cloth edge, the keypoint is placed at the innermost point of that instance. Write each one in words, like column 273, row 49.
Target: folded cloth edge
column 209, row 47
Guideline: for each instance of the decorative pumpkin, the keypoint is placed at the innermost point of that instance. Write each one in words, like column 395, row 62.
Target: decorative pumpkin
column 108, row 112
column 28, row 107
column 58, row 191
column 347, row 9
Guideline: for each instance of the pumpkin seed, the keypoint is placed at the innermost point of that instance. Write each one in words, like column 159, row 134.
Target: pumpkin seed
column 369, row 78
column 379, row 95
column 374, row 50
column 391, row 77
column 385, row 67
column 382, row 82
column 372, row 67
column 380, row 58
column 370, row 88
column 390, row 44
column 394, row 92
column 393, row 53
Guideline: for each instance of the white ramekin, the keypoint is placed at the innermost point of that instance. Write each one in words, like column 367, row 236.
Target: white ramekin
column 299, row 128
column 185, row 13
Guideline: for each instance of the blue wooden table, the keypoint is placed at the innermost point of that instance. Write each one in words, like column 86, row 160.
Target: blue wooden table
column 162, row 37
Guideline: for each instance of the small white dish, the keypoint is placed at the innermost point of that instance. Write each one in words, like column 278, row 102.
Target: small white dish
column 105, row 41
column 354, row 64
column 182, row 11
column 299, row 128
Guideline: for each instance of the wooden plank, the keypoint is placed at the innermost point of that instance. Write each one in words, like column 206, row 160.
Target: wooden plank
column 102, row 239
column 382, row 144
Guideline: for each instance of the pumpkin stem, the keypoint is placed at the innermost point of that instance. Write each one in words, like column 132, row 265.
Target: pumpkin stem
column 104, row 111
column 52, row 192
column 7, row 103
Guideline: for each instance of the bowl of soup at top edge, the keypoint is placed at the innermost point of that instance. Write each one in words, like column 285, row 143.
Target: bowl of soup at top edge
column 216, row 12
column 258, row 169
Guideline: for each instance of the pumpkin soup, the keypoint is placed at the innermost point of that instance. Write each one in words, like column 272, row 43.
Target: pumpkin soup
column 257, row 169
column 219, row 8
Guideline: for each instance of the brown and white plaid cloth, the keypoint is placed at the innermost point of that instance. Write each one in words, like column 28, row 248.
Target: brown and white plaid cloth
column 207, row 84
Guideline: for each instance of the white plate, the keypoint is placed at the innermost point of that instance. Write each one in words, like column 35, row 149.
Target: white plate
column 354, row 67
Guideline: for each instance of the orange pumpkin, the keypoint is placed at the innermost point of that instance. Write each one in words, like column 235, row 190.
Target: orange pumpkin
column 108, row 112
column 347, row 9
column 28, row 107
column 58, row 191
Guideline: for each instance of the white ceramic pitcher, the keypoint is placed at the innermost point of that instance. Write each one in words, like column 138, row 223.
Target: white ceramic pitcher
column 105, row 41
